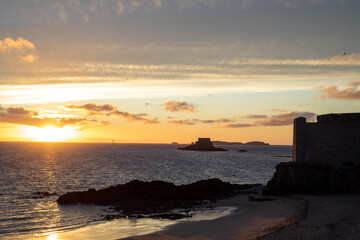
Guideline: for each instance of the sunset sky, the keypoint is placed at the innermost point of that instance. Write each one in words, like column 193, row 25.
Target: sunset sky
column 158, row 71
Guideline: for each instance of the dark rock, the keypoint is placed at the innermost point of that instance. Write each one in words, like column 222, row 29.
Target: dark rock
column 243, row 150
column 309, row 178
column 155, row 196
column 301, row 178
column 257, row 143
column 346, row 178
column 46, row 194
column 203, row 144
column 207, row 149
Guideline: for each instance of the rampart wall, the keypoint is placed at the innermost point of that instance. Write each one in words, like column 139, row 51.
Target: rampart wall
column 333, row 140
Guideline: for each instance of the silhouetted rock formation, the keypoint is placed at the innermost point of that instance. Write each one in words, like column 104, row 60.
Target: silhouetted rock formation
column 46, row 194
column 311, row 178
column 257, row 143
column 42, row 194
column 203, row 144
column 154, row 196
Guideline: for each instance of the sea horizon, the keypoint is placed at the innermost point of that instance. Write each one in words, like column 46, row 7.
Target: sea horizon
column 171, row 143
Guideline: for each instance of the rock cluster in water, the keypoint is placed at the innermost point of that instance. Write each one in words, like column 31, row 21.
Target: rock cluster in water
column 203, row 144
column 310, row 178
column 155, row 196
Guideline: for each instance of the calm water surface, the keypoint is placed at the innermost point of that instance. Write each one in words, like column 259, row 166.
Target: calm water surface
column 26, row 168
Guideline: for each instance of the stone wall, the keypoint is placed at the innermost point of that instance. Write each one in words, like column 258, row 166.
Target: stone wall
column 333, row 140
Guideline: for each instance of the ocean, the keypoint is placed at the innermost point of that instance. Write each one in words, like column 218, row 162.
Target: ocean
column 27, row 168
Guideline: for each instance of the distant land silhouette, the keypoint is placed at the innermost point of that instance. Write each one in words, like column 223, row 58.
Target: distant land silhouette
column 240, row 143
column 205, row 144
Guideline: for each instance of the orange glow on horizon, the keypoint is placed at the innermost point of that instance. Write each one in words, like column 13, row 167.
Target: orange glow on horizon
column 49, row 133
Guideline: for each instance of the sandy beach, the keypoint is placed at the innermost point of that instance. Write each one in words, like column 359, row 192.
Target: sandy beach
column 250, row 220
column 329, row 217
column 296, row 217
column 291, row 217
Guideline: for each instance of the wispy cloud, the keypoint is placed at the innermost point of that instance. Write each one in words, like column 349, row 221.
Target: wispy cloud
column 259, row 120
column 136, row 117
column 22, row 94
column 255, row 116
column 84, row 8
column 276, row 110
column 93, row 108
column 285, row 119
column 20, row 111
column 110, row 110
column 20, row 46
column 107, row 7
column 245, row 73
column 27, row 117
column 346, row 58
column 350, row 93
column 239, row 125
column 197, row 121
column 338, row 60
column 175, row 106
column 29, row 58
column 183, row 122
column 222, row 120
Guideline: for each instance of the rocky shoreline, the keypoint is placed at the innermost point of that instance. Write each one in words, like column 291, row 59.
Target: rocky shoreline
column 164, row 200
column 138, row 197
column 314, row 179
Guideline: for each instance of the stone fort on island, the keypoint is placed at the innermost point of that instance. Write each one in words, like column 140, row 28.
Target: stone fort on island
column 333, row 140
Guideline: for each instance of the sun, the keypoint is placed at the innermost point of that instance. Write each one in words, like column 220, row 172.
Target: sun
column 52, row 237
column 49, row 133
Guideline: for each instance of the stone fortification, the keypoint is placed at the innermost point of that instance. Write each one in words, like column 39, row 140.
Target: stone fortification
column 326, row 158
column 333, row 140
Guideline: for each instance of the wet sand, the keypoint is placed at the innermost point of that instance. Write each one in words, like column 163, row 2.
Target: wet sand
column 250, row 220
column 298, row 217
